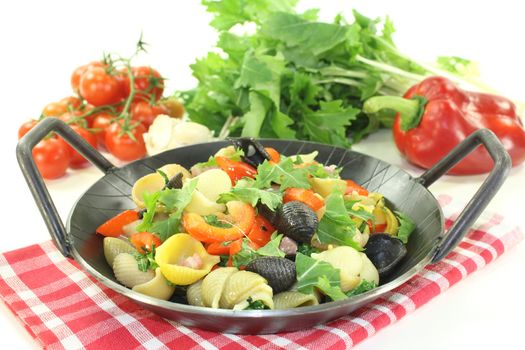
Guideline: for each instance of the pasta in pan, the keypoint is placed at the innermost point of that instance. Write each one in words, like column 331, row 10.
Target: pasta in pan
column 254, row 229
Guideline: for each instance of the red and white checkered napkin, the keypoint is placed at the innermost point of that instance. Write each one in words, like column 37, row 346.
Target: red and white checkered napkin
column 63, row 307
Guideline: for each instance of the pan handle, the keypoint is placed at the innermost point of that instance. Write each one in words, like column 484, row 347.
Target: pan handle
column 36, row 183
column 480, row 200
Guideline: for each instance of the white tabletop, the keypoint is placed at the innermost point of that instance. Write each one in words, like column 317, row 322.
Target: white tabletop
column 43, row 43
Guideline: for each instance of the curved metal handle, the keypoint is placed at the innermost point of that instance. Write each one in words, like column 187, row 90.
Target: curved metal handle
column 480, row 200
column 36, row 183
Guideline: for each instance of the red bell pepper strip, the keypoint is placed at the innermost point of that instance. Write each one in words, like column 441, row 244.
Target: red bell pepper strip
column 242, row 218
column 308, row 197
column 261, row 231
column 351, row 186
column 435, row 115
column 236, row 170
column 144, row 241
column 113, row 227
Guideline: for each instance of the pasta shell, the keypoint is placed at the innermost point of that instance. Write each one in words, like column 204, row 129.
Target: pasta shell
column 261, row 293
column 158, row 287
column 347, row 260
column 213, row 285
column 306, row 158
column 155, row 182
column 326, row 186
column 244, row 284
column 212, row 183
column 392, row 225
column 288, row 300
column 127, row 272
column 368, row 271
column 201, row 205
column 194, row 294
column 114, row 246
column 173, row 253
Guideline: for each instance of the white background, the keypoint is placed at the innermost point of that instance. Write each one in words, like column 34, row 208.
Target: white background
column 42, row 42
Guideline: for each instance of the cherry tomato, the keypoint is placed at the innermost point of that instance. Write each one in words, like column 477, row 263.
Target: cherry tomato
column 144, row 241
column 101, row 121
column 145, row 113
column 76, row 159
column 54, row 109
column 147, row 82
column 236, row 170
column 99, row 88
column 122, row 146
column 71, row 101
column 51, row 158
column 77, row 74
column 24, row 128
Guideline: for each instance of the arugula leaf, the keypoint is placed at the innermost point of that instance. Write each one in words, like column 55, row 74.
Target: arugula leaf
column 364, row 286
column 164, row 176
column 252, row 195
column 146, row 261
column 150, row 202
column 334, row 292
column 174, row 200
column 328, row 124
column 214, row 221
column 272, row 247
column 254, row 118
column 247, row 253
column 309, row 271
column 359, row 213
column 406, row 226
column 283, row 173
column 336, row 226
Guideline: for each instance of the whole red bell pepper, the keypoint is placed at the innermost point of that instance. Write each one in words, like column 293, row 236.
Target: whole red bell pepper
column 435, row 115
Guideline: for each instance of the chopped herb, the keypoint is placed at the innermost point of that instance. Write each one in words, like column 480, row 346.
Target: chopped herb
column 406, row 226
column 307, row 249
column 146, row 261
column 256, row 305
column 364, row 286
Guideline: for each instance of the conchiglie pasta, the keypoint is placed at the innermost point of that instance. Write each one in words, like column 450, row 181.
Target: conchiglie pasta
column 213, row 285
column 127, row 272
column 368, row 271
column 201, row 205
column 288, row 300
column 194, row 294
column 158, row 287
column 155, row 182
column 212, row 183
column 242, row 285
column 176, row 251
column 114, row 246
column 326, row 186
column 347, row 260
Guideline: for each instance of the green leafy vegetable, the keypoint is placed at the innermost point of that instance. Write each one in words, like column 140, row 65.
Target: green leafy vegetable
column 307, row 249
column 334, row 292
column 359, row 213
column 283, row 173
column 406, row 226
column 214, row 221
column 245, row 191
column 150, row 203
column 336, row 226
column 364, row 286
column 146, row 261
column 311, row 271
column 255, row 305
column 298, row 77
column 247, row 253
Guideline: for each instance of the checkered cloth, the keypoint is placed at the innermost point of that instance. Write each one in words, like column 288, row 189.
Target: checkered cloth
column 64, row 308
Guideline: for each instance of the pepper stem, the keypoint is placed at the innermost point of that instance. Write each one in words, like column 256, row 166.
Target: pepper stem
column 410, row 110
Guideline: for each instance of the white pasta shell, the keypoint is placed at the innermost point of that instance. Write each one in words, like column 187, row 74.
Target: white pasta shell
column 127, row 272
column 213, row 285
column 212, row 183
column 291, row 299
column 368, row 271
column 326, row 186
column 347, row 260
column 261, row 293
column 155, row 182
column 158, row 287
column 306, row 158
column 194, row 294
column 114, row 246
column 201, row 205
column 239, row 287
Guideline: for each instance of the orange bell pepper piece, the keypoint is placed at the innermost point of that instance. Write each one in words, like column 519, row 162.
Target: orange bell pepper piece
column 113, row 227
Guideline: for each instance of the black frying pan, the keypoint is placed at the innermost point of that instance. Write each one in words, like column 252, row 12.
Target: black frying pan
column 111, row 194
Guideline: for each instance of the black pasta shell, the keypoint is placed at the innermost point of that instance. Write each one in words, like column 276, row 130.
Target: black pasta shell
column 175, row 181
column 297, row 221
column 279, row 272
column 385, row 252
column 254, row 152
